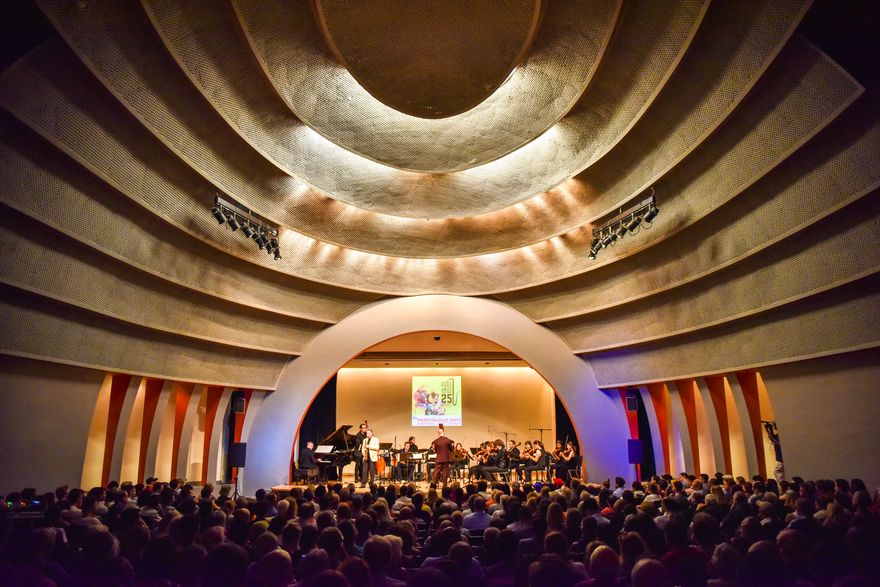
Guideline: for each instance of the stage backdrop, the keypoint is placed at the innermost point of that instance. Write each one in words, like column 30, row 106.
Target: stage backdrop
column 493, row 400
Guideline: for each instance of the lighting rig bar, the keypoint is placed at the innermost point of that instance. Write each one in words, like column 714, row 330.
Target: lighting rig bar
column 252, row 226
column 639, row 216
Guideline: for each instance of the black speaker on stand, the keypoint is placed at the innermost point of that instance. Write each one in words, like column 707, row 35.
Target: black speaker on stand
column 237, row 459
column 636, row 452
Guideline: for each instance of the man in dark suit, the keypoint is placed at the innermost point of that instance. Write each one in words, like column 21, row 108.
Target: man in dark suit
column 307, row 457
column 443, row 447
column 358, row 454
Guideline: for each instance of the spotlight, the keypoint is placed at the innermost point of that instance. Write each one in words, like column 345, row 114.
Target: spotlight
column 252, row 227
column 621, row 232
column 277, row 254
column 633, row 224
column 651, row 213
column 592, row 254
column 595, row 242
column 232, row 222
column 218, row 214
column 607, row 240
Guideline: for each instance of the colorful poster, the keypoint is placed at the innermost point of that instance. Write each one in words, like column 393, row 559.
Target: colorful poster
column 436, row 400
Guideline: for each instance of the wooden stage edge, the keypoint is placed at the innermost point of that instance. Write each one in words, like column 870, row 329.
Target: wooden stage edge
column 283, row 491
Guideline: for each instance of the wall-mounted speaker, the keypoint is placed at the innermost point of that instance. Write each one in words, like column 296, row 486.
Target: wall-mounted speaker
column 238, row 404
column 237, row 454
column 636, row 450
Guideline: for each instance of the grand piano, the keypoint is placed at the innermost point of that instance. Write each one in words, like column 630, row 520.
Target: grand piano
column 336, row 451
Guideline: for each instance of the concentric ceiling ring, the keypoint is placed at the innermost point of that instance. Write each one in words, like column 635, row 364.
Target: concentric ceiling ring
column 563, row 58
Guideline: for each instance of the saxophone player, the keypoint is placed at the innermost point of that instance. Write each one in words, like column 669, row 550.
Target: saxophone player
column 370, row 451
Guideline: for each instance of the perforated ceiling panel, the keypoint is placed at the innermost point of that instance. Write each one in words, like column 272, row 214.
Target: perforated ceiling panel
column 401, row 154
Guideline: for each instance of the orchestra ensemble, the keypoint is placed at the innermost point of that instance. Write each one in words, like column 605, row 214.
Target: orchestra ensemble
column 445, row 459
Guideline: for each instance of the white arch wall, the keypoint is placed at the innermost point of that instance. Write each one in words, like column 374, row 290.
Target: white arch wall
column 597, row 417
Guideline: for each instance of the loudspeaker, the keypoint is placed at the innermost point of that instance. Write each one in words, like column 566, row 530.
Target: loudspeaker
column 238, row 404
column 237, row 454
column 632, row 403
column 635, row 450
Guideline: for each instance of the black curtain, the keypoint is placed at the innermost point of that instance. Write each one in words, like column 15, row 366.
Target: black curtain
column 564, row 427
column 320, row 420
column 649, row 466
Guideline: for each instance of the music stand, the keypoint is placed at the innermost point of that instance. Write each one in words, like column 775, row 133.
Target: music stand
column 406, row 458
column 418, row 458
column 384, row 452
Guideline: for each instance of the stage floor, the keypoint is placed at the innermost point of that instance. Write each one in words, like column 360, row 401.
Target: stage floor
column 284, row 490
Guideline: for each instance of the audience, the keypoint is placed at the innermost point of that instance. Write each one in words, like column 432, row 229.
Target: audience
column 687, row 531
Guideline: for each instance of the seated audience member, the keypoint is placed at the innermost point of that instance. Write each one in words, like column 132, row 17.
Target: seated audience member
column 377, row 554
column 477, row 519
column 650, row 573
column 604, row 569
column 160, row 535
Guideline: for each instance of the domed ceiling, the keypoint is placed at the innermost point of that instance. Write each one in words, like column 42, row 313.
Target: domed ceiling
column 407, row 148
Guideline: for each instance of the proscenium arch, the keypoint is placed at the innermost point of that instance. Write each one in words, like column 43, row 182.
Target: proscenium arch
column 597, row 417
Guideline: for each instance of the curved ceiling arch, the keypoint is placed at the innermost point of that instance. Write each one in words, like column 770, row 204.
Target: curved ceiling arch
column 429, row 59
column 563, row 58
column 595, row 415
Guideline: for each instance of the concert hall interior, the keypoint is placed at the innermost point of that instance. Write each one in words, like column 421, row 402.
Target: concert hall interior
column 229, row 228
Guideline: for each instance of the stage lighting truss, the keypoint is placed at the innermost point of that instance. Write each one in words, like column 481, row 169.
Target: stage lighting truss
column 252, row 226
column 630, row 221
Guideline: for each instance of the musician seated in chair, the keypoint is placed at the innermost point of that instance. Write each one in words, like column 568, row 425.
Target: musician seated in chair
column 307, row 460
column 403, row 471
column 497, row 462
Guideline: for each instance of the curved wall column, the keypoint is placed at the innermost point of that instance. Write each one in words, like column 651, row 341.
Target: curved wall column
column 681, row 447
column 215, row 440
column 597, row 416
column 710, row 422
column 658, row 423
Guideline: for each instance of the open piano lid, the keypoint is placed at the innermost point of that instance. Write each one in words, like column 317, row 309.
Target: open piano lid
column 340, row 438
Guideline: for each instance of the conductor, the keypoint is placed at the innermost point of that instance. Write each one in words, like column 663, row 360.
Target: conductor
column 443, row 447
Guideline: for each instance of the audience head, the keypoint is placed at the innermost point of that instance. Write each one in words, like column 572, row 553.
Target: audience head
column 226, row 566
column 604, row 564
column 650, row 573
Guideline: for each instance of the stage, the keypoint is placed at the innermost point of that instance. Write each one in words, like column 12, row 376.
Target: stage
column 283, row 491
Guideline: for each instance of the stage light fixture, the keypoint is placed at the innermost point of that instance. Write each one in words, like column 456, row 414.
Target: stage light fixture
column 231, row 221
column 252, row 226
column 634, row 224
column 626, row 221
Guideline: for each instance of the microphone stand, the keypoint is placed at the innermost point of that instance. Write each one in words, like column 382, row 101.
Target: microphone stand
column 541, row 430
column 506, row 435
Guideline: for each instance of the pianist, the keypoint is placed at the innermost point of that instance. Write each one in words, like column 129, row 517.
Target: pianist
column 307, row 458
